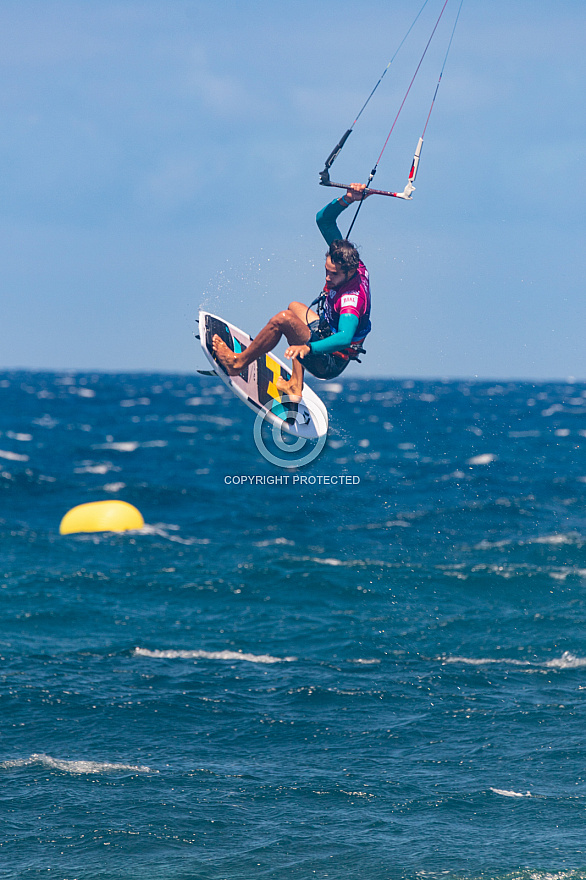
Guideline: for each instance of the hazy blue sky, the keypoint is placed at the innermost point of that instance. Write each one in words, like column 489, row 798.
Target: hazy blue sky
column 159, row 156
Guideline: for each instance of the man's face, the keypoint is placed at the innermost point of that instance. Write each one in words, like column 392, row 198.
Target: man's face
column 335, row 276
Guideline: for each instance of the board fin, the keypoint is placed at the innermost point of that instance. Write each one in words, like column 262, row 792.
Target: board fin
column 207, row 372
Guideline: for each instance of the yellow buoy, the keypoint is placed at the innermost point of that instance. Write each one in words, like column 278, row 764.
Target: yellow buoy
column 101, row 516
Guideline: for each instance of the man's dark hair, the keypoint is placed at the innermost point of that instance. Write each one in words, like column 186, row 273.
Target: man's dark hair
column 344, row 254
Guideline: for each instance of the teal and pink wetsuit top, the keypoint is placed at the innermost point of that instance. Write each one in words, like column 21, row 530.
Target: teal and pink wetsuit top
column 347, row 308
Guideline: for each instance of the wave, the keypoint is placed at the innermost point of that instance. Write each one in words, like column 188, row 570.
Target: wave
column 548, row 875
column 210, row 655
column 92, row 467
column 485, row 458
column 504, row 793
column 520, row 874
column 566, row 661
column 12, row 456
column 485, row 661
column 346, row 563
column 274, row 541
column 557, row 538
column 126, row 446
column 363, row 661
column 157, row 530
column 161, row 530
column 75, row 767
column 113, row 487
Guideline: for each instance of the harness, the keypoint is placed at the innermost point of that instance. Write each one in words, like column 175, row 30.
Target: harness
column 347, row 354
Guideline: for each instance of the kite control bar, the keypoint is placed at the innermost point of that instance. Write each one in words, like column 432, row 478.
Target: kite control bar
column 406, row 194
column 324, row 177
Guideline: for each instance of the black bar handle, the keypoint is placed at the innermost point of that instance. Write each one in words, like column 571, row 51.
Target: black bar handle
column 324, row 175
column 337, row 148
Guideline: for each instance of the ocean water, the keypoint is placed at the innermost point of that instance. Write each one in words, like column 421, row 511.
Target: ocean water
column 381, row 678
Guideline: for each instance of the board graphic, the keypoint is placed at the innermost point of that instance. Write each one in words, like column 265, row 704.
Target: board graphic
column 256, row 384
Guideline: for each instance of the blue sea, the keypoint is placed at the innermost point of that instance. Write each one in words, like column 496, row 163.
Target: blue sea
column 374, row 673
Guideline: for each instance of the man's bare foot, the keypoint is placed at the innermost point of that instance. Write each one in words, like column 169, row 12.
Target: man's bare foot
column 291, row 388
column 226, row 356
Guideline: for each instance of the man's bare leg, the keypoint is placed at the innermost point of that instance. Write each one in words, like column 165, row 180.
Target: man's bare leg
column 286, row 322
column 294, row 387
column 308, row 316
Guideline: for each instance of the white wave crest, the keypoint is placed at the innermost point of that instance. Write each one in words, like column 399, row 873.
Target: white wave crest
column 211, row 655
column 273, row 541
column 12, row 456
column 127, row 446
column 161, row 530
column 567, row 661
column 484, row 661
column 504, row 793
column 92, row 467
column 555, row 539
column 113, row 487
column 547, row 875
column 76, row 767
column 485, row 458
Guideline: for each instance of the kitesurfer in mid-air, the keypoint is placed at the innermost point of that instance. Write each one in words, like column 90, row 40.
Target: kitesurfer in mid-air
column 325, row 342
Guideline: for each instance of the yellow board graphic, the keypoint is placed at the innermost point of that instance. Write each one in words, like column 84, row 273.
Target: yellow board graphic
column 314, row 421
column 275, row 369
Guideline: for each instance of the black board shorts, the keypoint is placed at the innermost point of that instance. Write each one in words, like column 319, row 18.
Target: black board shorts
column 322, row 366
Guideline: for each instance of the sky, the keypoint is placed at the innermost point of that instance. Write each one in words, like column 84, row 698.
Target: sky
column 159, row 157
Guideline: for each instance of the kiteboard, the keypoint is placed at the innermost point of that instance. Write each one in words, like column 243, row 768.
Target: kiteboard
column 256, row 385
